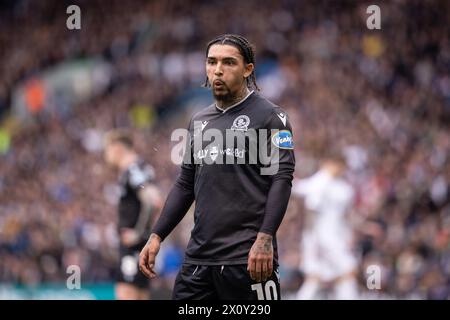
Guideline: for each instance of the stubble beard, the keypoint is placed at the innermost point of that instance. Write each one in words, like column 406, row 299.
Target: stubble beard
column 227, row 98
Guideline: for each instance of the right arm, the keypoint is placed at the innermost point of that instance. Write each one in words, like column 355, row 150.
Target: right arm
column 177, row 204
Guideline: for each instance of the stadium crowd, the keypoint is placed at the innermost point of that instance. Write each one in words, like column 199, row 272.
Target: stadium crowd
column 381, row 97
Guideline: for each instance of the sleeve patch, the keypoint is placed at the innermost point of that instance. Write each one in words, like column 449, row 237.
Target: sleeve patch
column 283, row 140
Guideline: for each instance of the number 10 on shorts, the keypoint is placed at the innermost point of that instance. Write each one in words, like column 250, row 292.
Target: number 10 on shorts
column 269, row 292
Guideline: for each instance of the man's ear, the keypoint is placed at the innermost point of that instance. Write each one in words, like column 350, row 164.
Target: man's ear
column 249, row 67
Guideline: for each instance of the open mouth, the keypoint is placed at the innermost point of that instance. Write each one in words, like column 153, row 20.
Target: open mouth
column 218, row 84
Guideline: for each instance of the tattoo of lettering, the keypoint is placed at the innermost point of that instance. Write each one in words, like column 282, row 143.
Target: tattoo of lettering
column 239, row 96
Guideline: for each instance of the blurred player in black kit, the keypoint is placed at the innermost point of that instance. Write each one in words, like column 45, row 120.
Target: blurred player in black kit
column 232, row 252
column 139, row 202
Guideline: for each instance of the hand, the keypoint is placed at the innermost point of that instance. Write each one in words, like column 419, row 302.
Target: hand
column 260, row 258
column 128, row 237
column 148, row 255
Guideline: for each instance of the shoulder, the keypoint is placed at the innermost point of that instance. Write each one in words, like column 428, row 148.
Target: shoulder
column 200, row 115
column 140, row 173
column 272, row 113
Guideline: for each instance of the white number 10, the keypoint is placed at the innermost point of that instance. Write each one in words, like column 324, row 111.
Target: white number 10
column 270, row 290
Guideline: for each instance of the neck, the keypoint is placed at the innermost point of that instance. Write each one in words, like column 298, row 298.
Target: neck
column 127, row 160
column 224, row 104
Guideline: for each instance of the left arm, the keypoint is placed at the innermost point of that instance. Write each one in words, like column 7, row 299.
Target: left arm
column 260, row 258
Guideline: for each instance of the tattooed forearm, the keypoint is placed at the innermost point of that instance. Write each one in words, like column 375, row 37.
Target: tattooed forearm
column 263, row 244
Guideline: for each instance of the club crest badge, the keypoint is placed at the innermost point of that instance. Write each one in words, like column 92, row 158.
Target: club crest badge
column 241, row 123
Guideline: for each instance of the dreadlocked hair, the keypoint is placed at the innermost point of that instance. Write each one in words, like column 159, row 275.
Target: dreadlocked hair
column 245, row 48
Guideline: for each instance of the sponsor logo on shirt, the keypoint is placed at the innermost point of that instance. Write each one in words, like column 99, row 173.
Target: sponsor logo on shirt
column 215, row 151
column 283, row 139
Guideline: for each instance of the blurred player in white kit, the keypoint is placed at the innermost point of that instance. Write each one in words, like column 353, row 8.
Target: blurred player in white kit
column 327, row 257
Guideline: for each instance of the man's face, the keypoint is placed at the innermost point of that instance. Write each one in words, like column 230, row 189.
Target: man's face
column 226, row 71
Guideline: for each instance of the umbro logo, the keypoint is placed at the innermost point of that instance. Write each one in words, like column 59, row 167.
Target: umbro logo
column 282, row 117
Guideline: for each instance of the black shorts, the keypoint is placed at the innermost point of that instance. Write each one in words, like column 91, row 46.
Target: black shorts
column 228, row 282
column 129, row 267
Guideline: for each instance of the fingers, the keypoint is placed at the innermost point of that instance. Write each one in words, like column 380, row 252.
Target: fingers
column 148, row 256
column 147, row 263
column 258, row 270
column 152, row 252
column 143, row 263
column 252, row 268
column 269, row 268
column 264, row 274
column 151, row 265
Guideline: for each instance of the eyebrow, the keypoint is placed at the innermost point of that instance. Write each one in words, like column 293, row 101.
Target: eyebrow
column 224, row 59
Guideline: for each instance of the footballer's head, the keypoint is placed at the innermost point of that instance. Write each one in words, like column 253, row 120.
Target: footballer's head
column 230, row 65
column 335, row 163
column 117, row 145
